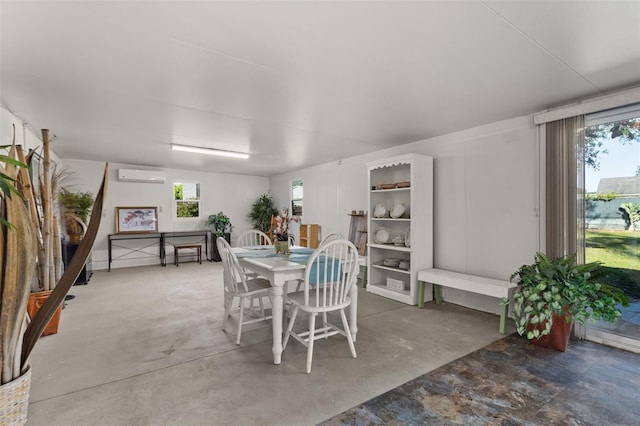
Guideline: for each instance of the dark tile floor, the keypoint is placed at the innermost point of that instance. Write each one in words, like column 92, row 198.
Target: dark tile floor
column 511, row 382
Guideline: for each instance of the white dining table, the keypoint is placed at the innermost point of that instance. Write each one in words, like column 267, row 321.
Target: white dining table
column 279, row 270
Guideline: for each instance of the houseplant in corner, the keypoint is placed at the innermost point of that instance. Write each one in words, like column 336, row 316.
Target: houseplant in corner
column 262, row 210
column 222, row 227
column 75, row 211
column 553, row 293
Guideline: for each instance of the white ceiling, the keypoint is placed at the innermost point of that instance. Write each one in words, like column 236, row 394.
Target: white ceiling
column 298, row 83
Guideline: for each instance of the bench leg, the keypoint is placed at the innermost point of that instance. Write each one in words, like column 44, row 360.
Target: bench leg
column 421, row 285
column 437, row 293
column 503, row 319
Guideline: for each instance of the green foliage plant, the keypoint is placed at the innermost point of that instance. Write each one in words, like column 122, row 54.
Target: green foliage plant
column 625, row 131
column 75, row 209
column 603, row 197
column 7, row 183
column 220, row 222
column 79, row 203
column 632, row 213
column 261, row 212
column 187, row 209
column 563, row 287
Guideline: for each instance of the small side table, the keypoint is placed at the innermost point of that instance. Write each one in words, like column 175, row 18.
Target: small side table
column 178, row 247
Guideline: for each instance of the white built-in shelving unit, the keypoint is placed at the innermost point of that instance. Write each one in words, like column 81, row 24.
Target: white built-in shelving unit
column 407, row 181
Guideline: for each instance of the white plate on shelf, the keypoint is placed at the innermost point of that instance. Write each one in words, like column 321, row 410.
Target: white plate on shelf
column 381, row 236
column 397, row 211
column 380, row 210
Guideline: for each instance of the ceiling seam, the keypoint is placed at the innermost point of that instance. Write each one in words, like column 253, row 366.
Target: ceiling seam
column 547, row 51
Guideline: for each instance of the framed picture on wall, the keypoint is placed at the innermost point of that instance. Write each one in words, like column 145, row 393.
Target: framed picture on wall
column 136, row 219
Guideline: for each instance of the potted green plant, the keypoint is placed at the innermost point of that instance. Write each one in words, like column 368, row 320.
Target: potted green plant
column 552, row 293
column 221, row 223
column 262, row 210
column 280, row 229
column 75, row 209
column 222, row 227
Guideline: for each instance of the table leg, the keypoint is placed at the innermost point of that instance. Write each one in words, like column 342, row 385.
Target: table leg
column 353, row 311
column 276, row 320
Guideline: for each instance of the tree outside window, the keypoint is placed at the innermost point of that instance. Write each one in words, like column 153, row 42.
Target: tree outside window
column 187, row 198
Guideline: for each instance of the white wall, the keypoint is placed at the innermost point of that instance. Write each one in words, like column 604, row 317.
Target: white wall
column 485, row 199
column 24, row 135
column 230, row 193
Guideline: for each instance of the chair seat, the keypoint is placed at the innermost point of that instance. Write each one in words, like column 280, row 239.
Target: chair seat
column 257, row 284
column 297, row 298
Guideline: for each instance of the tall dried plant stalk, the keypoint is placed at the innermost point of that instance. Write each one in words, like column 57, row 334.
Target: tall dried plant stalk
column 57, row 250
column 47, row 206
column 28, row 189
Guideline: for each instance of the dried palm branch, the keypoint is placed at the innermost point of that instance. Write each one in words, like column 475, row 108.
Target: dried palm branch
column 41, row 319
column 19, row 245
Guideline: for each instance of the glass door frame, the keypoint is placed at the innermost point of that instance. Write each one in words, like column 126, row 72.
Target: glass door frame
column 589, row 332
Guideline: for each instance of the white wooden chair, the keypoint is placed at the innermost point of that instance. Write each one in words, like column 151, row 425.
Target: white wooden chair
column 331, row 237
column 253, row 238
column 331, row 271
column 241, row 285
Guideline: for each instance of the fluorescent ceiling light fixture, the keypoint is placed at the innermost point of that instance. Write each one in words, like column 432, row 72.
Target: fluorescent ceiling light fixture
column 209, row 151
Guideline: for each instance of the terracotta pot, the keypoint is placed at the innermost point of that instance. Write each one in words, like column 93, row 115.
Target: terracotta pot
column 558, row 337
column 75, row 238
column 36, row 300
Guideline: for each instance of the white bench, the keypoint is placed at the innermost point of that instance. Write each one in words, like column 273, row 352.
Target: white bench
column 472, row 283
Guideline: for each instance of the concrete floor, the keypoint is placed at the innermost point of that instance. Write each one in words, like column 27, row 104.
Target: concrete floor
column 143, row 346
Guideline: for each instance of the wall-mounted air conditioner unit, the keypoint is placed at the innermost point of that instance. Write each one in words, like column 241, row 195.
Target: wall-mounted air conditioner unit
column 147, row 176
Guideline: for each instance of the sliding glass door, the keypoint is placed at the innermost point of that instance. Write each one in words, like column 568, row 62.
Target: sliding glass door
column 612, row 215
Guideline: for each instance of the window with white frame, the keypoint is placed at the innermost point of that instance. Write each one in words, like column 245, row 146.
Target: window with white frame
column 296, row 197
column 187, row 199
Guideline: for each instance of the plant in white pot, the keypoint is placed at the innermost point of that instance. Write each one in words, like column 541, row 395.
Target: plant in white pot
column 552, row 293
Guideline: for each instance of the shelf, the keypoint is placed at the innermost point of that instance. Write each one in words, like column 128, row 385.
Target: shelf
column 391, row 247
column 403, row 296
column 391, row 190
column 393, row 219
column 309, row 235
column 391, row 268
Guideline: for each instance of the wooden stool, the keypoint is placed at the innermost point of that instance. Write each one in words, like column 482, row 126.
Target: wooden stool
column 177, row 248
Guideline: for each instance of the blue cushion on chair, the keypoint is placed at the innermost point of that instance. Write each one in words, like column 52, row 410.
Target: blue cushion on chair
column 320, row 262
